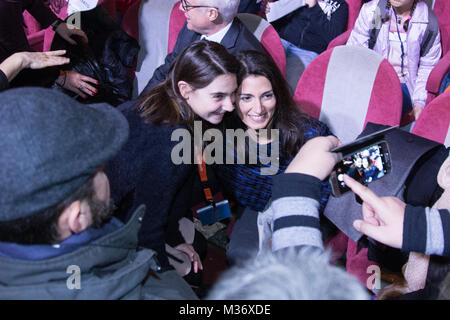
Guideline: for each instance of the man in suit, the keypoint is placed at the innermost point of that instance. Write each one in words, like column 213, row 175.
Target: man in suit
column 213, row 20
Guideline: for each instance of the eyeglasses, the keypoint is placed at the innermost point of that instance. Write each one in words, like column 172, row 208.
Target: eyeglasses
column 186, row 7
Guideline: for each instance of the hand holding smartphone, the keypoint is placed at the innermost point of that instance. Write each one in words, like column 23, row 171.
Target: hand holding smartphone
column 366, row 159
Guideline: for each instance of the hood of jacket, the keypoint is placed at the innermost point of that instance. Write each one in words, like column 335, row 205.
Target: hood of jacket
column 110, row 267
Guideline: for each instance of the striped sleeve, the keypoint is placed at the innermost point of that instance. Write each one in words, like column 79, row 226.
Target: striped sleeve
column 426, row 230
column 295, row 211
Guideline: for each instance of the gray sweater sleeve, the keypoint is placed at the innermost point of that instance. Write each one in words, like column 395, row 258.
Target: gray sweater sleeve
column 426, row 230
column 293, row 214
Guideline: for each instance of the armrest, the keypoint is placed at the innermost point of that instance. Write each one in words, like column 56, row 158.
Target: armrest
column 437, row 75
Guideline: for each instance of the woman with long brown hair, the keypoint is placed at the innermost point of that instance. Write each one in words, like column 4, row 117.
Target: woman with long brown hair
column 200, row 85
column 276, row 130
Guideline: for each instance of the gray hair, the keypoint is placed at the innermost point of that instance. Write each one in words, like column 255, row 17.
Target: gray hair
column 227, row 8
column 288, row 275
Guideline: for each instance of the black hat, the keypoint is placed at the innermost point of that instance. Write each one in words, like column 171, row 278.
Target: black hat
column 49, row 146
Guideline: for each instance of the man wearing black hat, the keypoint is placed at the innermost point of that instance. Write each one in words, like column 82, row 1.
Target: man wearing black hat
column 58, row 239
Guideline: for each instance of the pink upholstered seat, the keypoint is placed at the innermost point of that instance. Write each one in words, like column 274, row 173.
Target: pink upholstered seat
column 436, row 76
column 434, row 121
column 177, row 20
column 268, row 37
column 346, row 87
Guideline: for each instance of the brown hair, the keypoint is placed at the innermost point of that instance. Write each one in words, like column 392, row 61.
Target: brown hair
column 287, row 117
column 198, row 65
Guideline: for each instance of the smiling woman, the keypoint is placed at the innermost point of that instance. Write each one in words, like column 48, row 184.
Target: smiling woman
column 266, row 110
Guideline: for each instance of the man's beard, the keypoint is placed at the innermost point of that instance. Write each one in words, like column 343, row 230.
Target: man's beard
column 102, row 211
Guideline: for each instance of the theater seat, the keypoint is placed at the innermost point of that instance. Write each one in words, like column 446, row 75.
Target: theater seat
column 268, row 36
column 153, row 20
column 346, row 87
column 434, row 121
column 436, row 76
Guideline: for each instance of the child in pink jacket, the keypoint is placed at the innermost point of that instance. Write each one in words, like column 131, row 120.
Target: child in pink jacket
column 399, row 41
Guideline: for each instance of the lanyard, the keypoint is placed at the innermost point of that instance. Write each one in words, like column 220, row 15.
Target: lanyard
column 401, row 42
column 204, row 179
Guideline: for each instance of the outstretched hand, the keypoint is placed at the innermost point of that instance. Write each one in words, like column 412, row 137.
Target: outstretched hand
column 382, row 216
column 40, row 60
column 315, row 157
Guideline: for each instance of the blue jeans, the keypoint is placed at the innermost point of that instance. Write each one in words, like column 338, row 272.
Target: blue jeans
column 296, row 62
column 406, row 98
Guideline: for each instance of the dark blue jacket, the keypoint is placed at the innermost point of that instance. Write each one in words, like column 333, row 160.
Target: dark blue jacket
column 310, row 28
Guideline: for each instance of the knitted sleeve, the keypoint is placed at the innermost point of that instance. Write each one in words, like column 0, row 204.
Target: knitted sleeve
column 426, row 230
column 293, row 213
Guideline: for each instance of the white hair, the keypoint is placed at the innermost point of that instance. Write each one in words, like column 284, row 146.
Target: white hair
column 288, row 275
column 227, row 8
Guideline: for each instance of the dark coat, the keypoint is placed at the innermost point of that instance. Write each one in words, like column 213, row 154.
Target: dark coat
column 237, row 39
column 143, row 173
column 310, row 29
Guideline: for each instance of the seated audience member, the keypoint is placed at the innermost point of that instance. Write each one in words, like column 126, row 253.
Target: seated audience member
column 58, row 239
column 13, row 40
column 401, row 28
column 297, row 267
column 263, row 106
column 213, row 20
column 200, row 87
column 250, row 6
column 307, row 31
column 15, row 63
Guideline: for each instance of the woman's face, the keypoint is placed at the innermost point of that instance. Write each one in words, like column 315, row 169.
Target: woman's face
column 256, row 102
column 402, row 4
column 211, row 102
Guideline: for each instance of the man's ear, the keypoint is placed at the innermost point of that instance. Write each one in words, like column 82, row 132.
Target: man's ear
column 185, row 89
column 212, row 14
column 74, row 219
column 443, row 177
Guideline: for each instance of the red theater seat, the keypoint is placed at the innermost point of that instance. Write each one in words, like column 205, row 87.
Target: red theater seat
column 346, row 87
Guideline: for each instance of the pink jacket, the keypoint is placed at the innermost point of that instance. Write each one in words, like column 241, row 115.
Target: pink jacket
column 418, row 67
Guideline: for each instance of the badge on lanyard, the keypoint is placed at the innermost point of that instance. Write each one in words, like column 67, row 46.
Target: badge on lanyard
column 216, row 208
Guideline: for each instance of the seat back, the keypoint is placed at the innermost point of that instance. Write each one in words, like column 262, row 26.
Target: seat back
column 153, row 21
column 442, row 8
column 434, row 121
column 346, row 87
column 268, row 36
column 354, row 6
column 177, row 20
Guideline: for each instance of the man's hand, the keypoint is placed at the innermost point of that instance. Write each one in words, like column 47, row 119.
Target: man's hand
column 382, row 216
column 192, row 254
column 315, row 158
column 66, row 33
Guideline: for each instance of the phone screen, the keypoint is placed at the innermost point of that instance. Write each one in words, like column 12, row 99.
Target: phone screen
column 365, row 165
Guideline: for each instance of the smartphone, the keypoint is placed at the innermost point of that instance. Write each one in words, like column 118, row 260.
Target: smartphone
column 365, row 165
